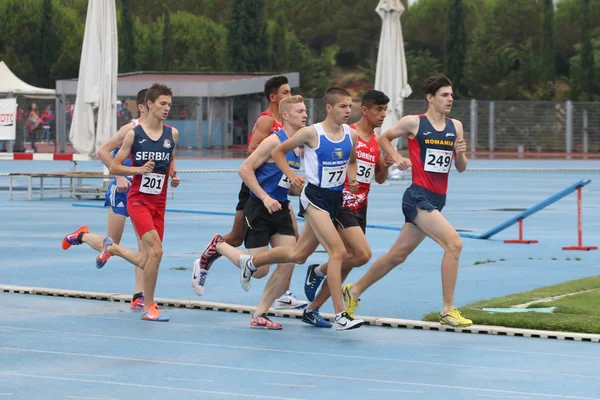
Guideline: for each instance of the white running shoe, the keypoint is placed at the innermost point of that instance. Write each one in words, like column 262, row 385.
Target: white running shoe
column 345, row 322
column 199, row 276
column 287, row 301
column 246, row 272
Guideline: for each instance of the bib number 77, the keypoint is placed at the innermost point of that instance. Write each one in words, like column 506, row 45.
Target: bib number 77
column 333, row 176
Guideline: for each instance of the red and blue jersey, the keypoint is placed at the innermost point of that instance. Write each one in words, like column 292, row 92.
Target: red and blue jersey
column 151, row 187
column 431, row 153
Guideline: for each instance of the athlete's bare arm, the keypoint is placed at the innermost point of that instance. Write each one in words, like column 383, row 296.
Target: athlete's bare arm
column 407, row 126
column 306, row 135
column 258, row 157
column 117, row 167
column 351, row 172
column 107, row 148
column 260, row 131
column 173, row 169
column 382, row 167
column 460, row 147
column 115, row 141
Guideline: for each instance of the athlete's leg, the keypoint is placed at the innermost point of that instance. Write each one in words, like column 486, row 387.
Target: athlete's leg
column 434, row 225
column 279, row 278
column 408, row 240
column 115, row 224
column 153, row 245
column 235, row 238
column 327, row 235
column 295, row 223
column 358, row 253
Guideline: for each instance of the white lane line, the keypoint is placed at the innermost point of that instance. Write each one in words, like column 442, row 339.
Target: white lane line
column 411, row 344
column 396, row 390
column 189, row 380
column 291, row 385
column 337, row 355
column 291, row 373
column 145, row 386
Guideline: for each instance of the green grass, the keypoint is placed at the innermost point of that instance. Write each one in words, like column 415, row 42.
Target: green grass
column 576, row 313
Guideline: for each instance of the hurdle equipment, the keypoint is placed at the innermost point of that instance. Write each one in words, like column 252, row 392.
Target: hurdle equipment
column 580, row 245
column 518, row 219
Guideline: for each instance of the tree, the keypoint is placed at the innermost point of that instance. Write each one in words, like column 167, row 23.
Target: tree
column 278, row 46
column 127, row 56
column 246, row 36
column 548, row 52
column 47, row 46
column 167, row 43
column 456, row 46
column 587, row 54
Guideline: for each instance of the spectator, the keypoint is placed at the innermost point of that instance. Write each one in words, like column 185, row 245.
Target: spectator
column 49, row 122
column 33, row 124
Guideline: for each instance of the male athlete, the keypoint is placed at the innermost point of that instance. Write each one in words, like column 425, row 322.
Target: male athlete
column 329, row 155
column 267, row 215
column 433, row 141
column 352, row 220
column 116, row 195
column 151, row 147
column 268, row 122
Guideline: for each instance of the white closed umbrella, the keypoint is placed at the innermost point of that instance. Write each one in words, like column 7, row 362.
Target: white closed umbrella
column 95, row 117
column 391, row 76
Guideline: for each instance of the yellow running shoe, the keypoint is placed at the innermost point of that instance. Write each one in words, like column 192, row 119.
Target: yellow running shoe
column 454, row 318
column 350, row 302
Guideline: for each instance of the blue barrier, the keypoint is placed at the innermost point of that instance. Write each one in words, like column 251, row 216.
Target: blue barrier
column 231, row 214
column 532, row 210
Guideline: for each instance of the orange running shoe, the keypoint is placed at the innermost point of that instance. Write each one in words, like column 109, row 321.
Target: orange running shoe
column 154, row 315
column 72, row 239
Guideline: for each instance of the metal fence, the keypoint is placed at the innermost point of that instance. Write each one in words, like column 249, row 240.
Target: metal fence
column 489, row 126
column 512, row 126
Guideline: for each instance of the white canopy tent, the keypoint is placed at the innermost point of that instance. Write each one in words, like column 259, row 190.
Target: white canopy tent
column 11, row 84
column 391, row 76
column 95, row 117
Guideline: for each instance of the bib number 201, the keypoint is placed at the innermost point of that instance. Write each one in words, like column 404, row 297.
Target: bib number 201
column 152, row 183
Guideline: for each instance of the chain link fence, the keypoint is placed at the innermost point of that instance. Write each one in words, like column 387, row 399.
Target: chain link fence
column 489, row 126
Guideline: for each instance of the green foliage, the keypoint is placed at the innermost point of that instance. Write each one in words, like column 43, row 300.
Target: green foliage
column 126, row 39
column 167, row 42
column 500, row 49
column 548, row 51
column 586, row 81
column 246, row 37
column 456, row 46
column 198, row 43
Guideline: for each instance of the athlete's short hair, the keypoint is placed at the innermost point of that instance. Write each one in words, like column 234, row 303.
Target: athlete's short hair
column 284, row 105
column 333, row 94
column 432, row 84
column 141, row 97
column 272, row 85
column 157, row 90
column 374, row 97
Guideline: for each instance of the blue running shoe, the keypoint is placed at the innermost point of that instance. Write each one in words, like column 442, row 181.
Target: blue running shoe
column 104, row 255
column 314, row 318
column 312, row 283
